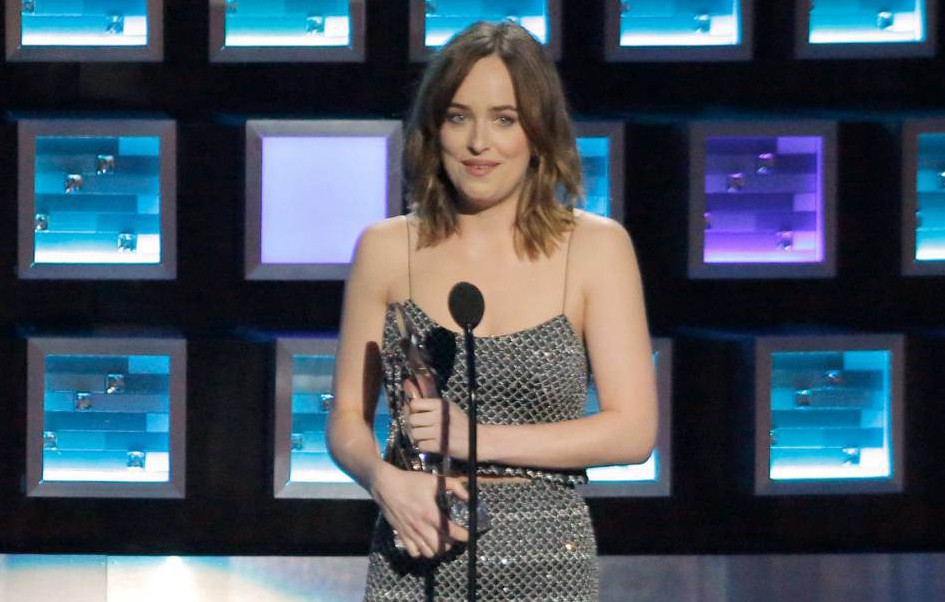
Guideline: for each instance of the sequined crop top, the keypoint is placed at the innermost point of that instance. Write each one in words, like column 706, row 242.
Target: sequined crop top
column 536, row 375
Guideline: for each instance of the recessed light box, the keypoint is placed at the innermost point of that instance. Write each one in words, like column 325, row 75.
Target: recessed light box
column 684, row 30
column 923, row 194
column 762, row 199
column 864, row 28
column 303, row 468
column 311, row 188
column 653, row 477
column 287, row 31
column 600, row 145
column 106, row 417
column 84, row 30
column 433, row 22
column 97, row 199
column 828, row 414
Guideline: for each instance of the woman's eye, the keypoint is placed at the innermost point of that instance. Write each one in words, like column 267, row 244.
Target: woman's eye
column 456, row 118
column 505, row 120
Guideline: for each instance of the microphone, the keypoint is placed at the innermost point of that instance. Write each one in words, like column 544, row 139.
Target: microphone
column 466, row 305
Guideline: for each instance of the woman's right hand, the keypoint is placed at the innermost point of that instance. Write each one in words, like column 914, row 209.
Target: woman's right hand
column 408, row 500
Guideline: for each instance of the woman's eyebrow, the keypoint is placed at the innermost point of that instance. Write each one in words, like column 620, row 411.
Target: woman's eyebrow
column 457, row 105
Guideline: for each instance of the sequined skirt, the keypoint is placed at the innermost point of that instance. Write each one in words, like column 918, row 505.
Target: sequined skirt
column 541, row 547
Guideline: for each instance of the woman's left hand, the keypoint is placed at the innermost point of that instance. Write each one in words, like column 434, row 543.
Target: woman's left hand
column 437, row 425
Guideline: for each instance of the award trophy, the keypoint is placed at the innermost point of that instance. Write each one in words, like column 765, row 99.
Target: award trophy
column 418, row 369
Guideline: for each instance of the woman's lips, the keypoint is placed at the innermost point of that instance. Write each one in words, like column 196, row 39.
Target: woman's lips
column 479, row 167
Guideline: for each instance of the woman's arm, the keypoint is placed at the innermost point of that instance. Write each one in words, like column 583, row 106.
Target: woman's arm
column 408, row 499
column 618, row 344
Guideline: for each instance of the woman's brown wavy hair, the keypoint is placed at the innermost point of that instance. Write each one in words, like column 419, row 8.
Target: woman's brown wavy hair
column 553, row 180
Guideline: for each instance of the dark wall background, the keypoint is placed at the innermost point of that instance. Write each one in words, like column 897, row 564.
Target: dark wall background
column 229, row 507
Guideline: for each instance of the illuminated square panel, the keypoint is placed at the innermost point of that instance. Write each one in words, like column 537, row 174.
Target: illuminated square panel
column 311, row 188
column 434, row 22
column 653, row 477
column 285, row 31
column 303, row 468
column 84, row 30
column 828, row 414
column 97, row 199
column 600, row 145
column 864, row 28
column 923, row 194
column 684, row 30
column 106, row 417
column 762, row 200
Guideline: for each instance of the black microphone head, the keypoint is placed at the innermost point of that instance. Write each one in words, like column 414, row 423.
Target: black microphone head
column 466, row 305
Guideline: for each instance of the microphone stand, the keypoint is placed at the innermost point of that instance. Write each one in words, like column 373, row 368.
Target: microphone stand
column 472, row 466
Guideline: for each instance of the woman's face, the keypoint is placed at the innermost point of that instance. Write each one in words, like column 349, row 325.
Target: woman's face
column 485, row 150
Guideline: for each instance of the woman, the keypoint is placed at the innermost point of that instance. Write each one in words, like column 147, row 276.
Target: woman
column 488, row 153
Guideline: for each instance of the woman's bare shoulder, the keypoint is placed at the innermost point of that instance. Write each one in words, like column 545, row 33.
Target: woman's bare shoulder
column 381, row 253
column 594, row 234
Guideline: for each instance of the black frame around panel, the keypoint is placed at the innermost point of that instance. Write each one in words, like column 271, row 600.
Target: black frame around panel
column 29, row 130
column 614, row 52
column 221, row 53
column 37, row 349
column 152, row 52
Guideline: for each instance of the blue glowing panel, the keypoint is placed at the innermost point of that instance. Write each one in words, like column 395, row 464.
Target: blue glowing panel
column 84, row 23
column 930, row 199
column 97, row 199
column 681, row 23
column 311, row 402
column 288, row 30
column 70, row 30
column 106, row 418
column 434, row 22
column 652, row 477
column 833, row 414
column 443, row 18
column 595, row 160
column 292, row 23
column 766, row 201
column 304, row 394
column 867, row 21
column 312, row 187
column 865, row 28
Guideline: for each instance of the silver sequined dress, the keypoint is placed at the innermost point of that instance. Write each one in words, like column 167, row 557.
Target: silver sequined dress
column 541, row 546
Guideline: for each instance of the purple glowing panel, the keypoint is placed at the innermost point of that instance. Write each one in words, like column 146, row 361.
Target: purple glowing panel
column 318, row 194
column 764, row 200
column 312, row 186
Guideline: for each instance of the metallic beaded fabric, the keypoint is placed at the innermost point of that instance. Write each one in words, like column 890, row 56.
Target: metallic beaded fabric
column 541, row 546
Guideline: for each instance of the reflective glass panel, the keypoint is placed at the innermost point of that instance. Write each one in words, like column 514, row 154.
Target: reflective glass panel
column 867, row 21
column 680, row 23
column 830, row 415
column 930, row 198
column 443, row 18
column 84, row 22
column 106, row 418
column 311, row 402
column 648, row 471
column 288, row 23
column 764, row 200
column 595, row 161
column 97, row 200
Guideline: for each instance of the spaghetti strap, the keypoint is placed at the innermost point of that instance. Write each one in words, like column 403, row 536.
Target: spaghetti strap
column 567, row 265
column 409, row 267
